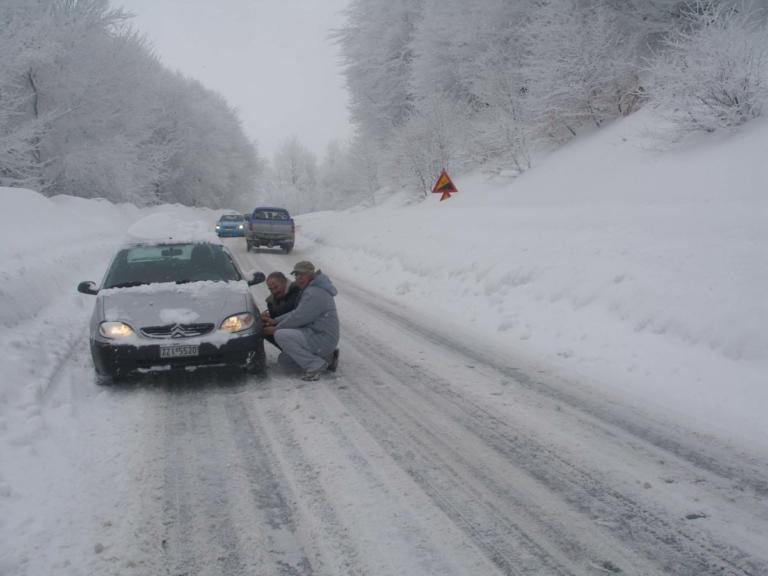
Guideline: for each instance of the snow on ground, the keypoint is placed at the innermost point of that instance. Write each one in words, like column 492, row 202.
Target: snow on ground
column 630, row 269
column 47, row 246
column 638, row 272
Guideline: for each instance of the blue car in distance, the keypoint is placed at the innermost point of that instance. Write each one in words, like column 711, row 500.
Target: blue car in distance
column 231, row 225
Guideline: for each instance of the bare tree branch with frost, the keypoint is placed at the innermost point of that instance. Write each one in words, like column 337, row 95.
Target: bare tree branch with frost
column 713, row 72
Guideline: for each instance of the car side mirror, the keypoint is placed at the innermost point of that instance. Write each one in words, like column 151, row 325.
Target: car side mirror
column 258, row 278
column 87, row 287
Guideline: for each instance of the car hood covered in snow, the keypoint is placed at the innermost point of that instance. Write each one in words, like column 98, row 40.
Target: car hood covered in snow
column 164, row 304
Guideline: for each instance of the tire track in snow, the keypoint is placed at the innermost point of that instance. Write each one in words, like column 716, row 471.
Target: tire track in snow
column 488, row 499
column 284, row 550
column 747, row 472
column 201, row 538
column 355, row 492
column 314, row 521
column 689, row 551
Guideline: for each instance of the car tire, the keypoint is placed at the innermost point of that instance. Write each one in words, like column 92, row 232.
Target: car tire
column 257, row 364
column 288, row 248
column 105, row 378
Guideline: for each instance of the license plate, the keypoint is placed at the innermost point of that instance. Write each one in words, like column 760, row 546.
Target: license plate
column 179, row 351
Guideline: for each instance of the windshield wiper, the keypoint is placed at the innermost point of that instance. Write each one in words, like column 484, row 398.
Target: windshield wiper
column 187, row 281
column 129, row 284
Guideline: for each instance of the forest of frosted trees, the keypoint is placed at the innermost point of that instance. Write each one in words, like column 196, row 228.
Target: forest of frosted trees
column 86, row 109
column 461, row 84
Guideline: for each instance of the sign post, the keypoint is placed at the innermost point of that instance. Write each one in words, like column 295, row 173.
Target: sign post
column 444, row 186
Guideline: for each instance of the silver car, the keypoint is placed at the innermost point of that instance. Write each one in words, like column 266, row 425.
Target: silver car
column 174, row 305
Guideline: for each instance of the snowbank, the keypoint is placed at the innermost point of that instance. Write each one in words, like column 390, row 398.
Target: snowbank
column 634, row 270
column 178, row 225
column 49, row 243
column 47, row 246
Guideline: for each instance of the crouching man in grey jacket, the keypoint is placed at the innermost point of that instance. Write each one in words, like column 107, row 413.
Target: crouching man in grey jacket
column 308, row 334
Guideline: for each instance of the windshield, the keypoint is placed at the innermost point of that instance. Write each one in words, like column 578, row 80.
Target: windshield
column 180, row 263
column 270, row 215
column 231, row 218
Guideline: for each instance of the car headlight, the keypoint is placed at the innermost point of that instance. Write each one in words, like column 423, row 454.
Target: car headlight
column 114, row 330
column 218, row 226
column 237, row 322
column 240, row 226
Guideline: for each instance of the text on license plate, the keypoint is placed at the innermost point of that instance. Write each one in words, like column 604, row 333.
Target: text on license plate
column 178, row 351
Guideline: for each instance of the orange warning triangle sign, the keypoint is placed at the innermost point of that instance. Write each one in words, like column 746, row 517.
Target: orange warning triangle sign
column 444, row 185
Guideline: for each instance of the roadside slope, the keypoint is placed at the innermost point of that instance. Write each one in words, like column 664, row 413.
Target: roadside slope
column 638, row 271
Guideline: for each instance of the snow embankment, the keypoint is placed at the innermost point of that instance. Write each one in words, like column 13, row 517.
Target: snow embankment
column 48, row 244
column 47, row 247
column 637, row 271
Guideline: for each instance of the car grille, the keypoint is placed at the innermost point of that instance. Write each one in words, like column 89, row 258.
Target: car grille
column 176, row 330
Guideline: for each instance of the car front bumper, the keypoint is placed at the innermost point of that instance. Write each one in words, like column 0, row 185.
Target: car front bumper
column 230, row 232
column 270, row 240
column 111, row 359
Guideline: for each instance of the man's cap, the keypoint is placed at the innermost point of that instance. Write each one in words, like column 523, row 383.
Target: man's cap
column 303, row 267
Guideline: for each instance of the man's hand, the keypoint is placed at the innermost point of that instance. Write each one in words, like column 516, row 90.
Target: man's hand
column 269, row 330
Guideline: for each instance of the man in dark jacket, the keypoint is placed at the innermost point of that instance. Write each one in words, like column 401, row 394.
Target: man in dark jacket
column 308, row 335
column 283, row 298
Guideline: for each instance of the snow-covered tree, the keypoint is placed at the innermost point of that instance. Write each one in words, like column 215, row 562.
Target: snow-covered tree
column 429, row 142
column 714, row 69
column 580, row 67
column 213, row 162
column 377, row 52
column 27, row 42
column 295, row 165
column 501, row 126
column 338, row 185
column 295, row 176
column 363, row 169
column 471, row 83
column 446, row 45
column 86, row 109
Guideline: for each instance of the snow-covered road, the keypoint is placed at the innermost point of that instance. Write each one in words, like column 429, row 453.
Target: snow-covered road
column 425, row 454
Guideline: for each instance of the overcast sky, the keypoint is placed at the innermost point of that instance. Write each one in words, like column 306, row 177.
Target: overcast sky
column 271, row 59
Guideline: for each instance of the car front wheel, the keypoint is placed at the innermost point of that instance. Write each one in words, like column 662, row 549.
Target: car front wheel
column 105, row 378
column 257, row 361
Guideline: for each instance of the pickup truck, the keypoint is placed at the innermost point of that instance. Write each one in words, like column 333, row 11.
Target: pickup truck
column 270, row 227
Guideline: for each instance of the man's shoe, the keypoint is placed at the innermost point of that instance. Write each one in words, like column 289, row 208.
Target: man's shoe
column 311, row 376
column 334, row 361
